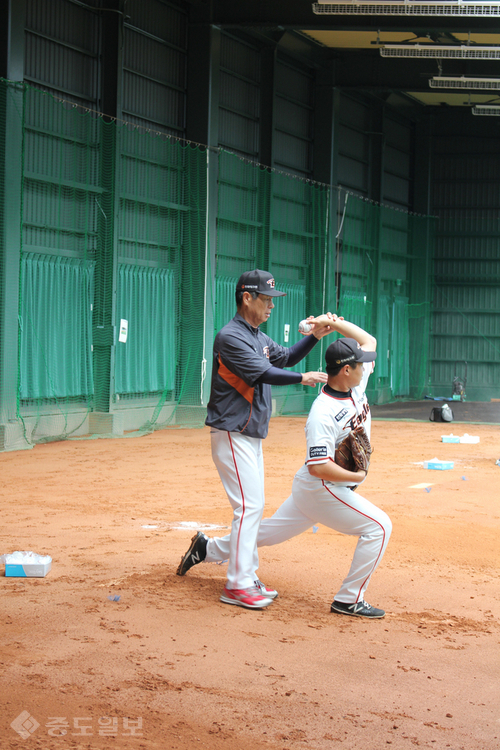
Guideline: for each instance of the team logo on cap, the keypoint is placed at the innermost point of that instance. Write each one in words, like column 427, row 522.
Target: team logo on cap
column 271, row 283
column 345, row 361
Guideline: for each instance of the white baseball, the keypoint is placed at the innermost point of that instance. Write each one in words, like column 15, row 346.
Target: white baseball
column 304, row 326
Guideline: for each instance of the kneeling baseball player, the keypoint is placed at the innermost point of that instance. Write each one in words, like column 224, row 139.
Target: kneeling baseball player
column 324, row 488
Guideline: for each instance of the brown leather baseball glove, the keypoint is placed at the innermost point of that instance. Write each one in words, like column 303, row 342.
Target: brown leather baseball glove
column 354, row 451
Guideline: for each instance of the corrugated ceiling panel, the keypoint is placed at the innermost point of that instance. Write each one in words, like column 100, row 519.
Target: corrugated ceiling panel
column 239, row 97
column 466, row 322
column 396, row 189
column 457, row 146
column 466, row 195
column 484, row 373
column 239, row 133
column 471, row 348
column 446, row 323
column 153, row 104
column 353, row 144
column 240, row 58
column 354, row 113
column 294, row 117
column 473, row 224
column 460, row 247
column 462, row 270
column 294, row 83
column 398, row 134
column 467, row 299
column 292, row 152
column 352, row 174
column 61, row 50
column 466, row 167
column 293, row 147
column 66, row 21
column 66, row 70
column 397, row 162
column 393, row 239
column 155, row 59
column 397, row 159
column 163, row 21
column 239, row 229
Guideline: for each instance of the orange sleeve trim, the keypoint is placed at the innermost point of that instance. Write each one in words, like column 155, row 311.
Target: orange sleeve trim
column 235, row 382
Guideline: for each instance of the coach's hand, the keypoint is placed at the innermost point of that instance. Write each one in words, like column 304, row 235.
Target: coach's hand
column 312, row 378
column 322, row 325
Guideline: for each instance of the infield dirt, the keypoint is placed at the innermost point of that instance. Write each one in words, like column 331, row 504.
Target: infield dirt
column 113, row 650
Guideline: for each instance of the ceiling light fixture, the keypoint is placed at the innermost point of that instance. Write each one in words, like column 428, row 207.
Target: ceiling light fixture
column 406, row 8
column 462, row 82
column 486, row 109
column 475, row 51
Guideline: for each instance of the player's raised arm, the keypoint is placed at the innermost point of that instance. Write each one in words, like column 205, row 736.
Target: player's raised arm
column 352, row 331
column 318, row 326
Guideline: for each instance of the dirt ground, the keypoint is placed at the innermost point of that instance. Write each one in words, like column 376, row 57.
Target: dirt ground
column 166, row 665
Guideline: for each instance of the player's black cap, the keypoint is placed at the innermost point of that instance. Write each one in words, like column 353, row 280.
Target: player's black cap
column 261, row 282
column 345, row 351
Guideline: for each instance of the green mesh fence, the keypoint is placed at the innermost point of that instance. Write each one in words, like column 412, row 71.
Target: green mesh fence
column 119, row 266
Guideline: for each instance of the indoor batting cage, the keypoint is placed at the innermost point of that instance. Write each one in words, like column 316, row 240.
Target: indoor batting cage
column 124, row 248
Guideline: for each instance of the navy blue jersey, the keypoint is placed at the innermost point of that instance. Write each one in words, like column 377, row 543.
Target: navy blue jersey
column 241, row 355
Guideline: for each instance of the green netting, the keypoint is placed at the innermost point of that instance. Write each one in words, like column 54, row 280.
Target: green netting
column 119, row 266
column 329, row 250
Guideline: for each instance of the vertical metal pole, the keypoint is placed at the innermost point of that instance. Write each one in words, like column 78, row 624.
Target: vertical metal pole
column 12, row 23
column 198, row 270
column 377, row 156
column 321, row 287
column 266, row 139
column 104, row 309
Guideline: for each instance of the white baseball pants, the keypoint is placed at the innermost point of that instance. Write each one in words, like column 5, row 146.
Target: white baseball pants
column 338, row 508
column 240, row 464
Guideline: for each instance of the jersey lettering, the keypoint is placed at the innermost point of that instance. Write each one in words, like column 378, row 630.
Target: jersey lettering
column 358, row 419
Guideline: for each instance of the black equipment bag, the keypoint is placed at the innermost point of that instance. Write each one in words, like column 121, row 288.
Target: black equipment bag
column 441, row 414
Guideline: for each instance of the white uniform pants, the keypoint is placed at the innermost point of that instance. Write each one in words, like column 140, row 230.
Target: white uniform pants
column 336, row 507
column 240, row 464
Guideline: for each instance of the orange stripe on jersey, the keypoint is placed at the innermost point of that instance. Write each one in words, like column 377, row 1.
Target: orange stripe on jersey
column 235, row 382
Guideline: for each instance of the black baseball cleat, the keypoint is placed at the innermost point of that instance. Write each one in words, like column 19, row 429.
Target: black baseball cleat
column 196, row 553
column 358, row 609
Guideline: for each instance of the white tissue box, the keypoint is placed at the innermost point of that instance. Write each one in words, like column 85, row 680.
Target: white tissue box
column 29, row 570
column 27, row 565
column 469, row 438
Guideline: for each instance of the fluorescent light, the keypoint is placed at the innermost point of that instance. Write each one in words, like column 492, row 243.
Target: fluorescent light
column 462, row 82
column 486, row 109
column 475, row 51
column 406, row 8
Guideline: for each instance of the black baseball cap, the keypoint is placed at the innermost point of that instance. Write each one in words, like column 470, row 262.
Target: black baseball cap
column 346, row 351
column 261, row 282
